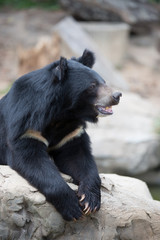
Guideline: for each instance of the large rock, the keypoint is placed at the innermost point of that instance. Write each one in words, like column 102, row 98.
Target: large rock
column 141, row 13
column 127, row 212
column 126, row 142
column 74, row 40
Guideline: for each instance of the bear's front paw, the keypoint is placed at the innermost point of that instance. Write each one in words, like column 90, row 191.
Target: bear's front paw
column 68, row 206
column 89, row 199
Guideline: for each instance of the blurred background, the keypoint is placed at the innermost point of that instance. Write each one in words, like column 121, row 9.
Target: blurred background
column 125, row 36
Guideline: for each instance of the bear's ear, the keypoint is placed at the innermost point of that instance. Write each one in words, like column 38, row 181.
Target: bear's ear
column 87, row 59
column 61, row 69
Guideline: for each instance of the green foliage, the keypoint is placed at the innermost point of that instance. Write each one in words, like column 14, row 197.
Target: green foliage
column 155, row 192
column 21, row 4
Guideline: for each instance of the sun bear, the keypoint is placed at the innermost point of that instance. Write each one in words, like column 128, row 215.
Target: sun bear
column 43, row 131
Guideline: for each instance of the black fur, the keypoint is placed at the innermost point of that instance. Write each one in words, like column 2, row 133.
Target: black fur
column 87, row 59
column 54, row 101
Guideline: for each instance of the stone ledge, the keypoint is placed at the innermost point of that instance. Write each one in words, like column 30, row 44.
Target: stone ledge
column 127, row 212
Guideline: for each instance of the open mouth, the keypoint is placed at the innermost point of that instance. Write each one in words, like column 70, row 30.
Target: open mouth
column 104, row 110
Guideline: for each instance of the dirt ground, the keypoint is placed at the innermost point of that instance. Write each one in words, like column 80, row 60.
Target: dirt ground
column 22, row 29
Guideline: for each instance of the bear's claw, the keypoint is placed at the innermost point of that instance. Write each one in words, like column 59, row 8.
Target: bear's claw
column 82, row 197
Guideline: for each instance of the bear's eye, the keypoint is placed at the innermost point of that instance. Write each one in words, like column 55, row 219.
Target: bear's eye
column 92, row 86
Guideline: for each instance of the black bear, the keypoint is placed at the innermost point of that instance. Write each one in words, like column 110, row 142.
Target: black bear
column 43, row 122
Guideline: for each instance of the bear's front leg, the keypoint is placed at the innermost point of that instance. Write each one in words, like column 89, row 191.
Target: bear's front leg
column 89, row 193
column 31, row 160
column 76, row 160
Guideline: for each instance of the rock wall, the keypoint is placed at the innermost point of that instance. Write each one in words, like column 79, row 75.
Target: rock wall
column 127, row 212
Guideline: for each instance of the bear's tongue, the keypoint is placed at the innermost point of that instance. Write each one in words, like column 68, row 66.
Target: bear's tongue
column 105, row 110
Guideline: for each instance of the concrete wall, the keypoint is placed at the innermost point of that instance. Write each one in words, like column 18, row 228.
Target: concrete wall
column 112, row 39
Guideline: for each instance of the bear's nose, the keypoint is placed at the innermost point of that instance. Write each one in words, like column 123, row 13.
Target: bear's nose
column 116, row 96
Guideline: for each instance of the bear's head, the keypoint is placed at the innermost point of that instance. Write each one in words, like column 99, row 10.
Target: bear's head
column 84, row 94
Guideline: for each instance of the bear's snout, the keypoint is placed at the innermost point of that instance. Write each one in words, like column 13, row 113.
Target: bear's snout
column 116, row 97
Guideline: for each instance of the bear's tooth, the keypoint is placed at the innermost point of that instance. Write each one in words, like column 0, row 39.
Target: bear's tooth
column 107, row 108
